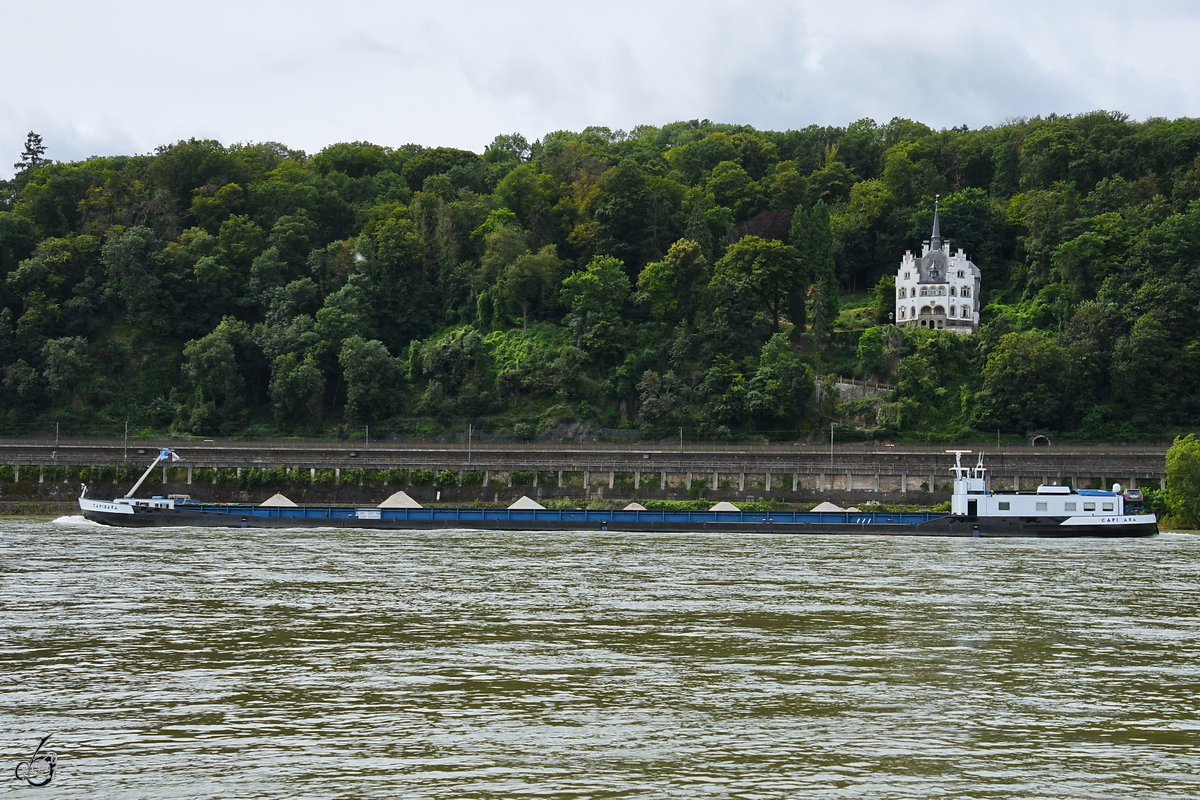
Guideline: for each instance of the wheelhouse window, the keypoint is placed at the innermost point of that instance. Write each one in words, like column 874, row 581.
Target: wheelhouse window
column 1041, row 506
column 1004, row 505
column 1068, row 506
column 1089, row 506
column 1108, row 506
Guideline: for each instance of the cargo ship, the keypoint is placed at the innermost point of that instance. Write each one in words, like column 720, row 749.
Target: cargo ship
column 1051, row 511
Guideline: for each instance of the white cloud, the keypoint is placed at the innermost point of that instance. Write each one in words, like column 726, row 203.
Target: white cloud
column 128, row 75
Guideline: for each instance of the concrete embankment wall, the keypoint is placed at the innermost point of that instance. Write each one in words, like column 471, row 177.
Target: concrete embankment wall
column 355, row 474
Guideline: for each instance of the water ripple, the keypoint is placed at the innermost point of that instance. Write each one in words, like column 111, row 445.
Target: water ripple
column 456, row 664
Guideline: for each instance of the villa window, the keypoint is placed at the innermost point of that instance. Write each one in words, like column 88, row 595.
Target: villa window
column 953, row 292
column 953, row 311
column 903, row 293
column 901, row 313
column 961, row 274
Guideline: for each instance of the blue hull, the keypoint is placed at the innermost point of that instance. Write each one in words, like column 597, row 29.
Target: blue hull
column 781, row 522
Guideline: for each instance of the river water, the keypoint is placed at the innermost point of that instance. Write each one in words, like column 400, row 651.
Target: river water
column 321, row 663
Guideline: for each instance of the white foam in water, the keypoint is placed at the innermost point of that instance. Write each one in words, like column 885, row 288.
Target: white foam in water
column 77, row 519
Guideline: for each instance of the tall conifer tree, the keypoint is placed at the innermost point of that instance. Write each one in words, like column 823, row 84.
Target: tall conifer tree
column 33, row 156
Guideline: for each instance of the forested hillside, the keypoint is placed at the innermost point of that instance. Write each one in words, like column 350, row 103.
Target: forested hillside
column 697, row 275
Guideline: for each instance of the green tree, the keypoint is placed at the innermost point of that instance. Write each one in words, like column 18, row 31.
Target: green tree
column 218, row 396
column 672, row 287
column 596, row 297
column 787, row 187
column 1183, row 481
column 239, row 241
column 134, row 267
column 733, row 188
column 355, row 159
column 782, row 384
column 971, row 221
column 723, row 391
column 67, row 364
column 534, row 197
column 662, row 402
column 182, row 168
column 936, row 376
column 399, row 296
column 373, row 379
column 346, row 312
column 770, row 270
column 453, row 363
column 503, row 245
column 696, row 158
column 1029, row 382
column 900, row 174
column 528, row 282
column 436, row 161
column 623, row 214
column 883, row 300
column 33, row 156
column 211, row 208
column 24, row 388
column 872, row 354
column 812, row 237
column 507, row 148
column 831, row 183
column 294, row 237
column 18, row 238
column 297, row 388
column 1136, row 368
column 289, row 194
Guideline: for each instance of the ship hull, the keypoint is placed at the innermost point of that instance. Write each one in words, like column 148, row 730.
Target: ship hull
column 624, row 521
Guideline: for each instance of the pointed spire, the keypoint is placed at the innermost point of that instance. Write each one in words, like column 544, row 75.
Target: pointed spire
column 935, row 241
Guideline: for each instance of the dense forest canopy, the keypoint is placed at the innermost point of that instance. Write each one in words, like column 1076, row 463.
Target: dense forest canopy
column 698, row 275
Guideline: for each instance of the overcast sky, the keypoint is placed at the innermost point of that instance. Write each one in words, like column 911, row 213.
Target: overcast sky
column 125, row 76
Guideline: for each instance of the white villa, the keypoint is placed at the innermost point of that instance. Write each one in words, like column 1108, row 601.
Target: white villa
column 941, row 290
